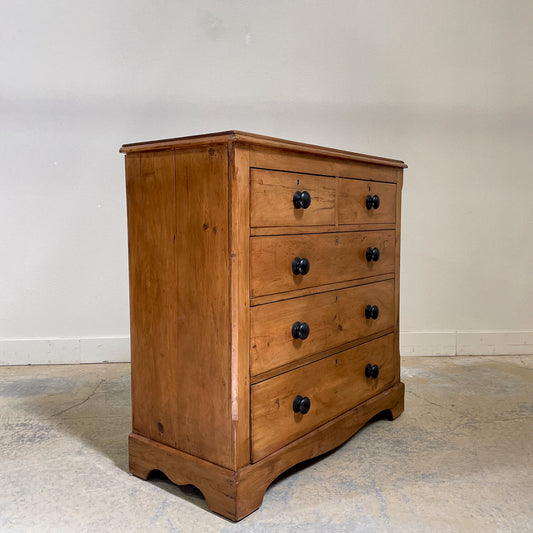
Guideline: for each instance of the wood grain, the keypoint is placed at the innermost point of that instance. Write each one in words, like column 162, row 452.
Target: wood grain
column 271, row 200
column 311, row 163
column 333, row 257
column 178, row 246
column 240, row 310
column 201, row 393
column 352, row 202
column 151, row 197
column 269, row 298
column 334, row 318
column 333, row 384
column 258, row 378
column 396, row 358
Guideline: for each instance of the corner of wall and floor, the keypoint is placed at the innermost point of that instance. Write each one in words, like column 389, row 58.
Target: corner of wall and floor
column 43, row 351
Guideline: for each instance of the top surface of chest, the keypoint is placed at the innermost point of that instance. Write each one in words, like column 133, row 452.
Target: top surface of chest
column 257, row 140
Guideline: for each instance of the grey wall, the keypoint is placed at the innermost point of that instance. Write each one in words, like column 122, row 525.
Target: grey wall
column 444, row 85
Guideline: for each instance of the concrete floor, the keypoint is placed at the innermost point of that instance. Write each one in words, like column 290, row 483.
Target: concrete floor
column 459, row 458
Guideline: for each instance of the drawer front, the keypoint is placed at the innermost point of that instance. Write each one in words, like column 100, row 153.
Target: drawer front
column 332, row 257
column 352, row 202
column 272, row 201
column 333, row 318
column 333, row 385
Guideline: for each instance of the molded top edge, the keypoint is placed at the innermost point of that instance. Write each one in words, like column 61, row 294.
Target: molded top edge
column 255, row 139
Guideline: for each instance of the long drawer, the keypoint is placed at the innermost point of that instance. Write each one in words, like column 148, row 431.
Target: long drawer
column 283, row 332
column 327, row 257
column 331, row 386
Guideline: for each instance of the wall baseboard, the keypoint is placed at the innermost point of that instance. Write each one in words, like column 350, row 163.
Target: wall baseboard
column 117, row 349
column 64, row 350
column 466, row 342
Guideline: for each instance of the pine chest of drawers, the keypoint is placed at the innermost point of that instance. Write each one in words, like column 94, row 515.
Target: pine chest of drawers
column 264, row 291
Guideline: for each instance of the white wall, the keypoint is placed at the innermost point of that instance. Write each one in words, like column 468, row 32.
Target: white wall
column 447, row 86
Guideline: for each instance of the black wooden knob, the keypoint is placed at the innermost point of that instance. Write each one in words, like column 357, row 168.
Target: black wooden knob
column 372, row 371
column 300, row 330
column 373, row 202
column 372, row 311
column 301, row 199
column 301, row 404
column 300, row 265
column 372, row 254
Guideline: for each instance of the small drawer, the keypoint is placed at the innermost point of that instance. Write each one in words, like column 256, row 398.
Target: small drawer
column 283, row 332
column 327, row 388
column 290, row 199
column 366, row 202
column 288, row 262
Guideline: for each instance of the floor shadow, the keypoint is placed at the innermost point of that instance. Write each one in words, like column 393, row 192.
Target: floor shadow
column 89, row 403
column 302, row 466
column 92, row 405
column 189, row 493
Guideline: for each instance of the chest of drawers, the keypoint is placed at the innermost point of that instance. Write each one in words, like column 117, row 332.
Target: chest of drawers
column 264, row 292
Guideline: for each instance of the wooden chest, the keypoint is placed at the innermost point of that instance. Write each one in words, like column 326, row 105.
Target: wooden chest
column 264, row 292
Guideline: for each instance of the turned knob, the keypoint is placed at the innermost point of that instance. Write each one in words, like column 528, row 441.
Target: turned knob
column 372, row 254
column 373, row 202
column 301, row 404
column 372, row 371
column 300, row 330
column 372, row 311
column 301, row 199
column 300, row 265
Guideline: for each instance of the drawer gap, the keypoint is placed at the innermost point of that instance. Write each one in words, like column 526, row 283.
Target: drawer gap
column 316, row 357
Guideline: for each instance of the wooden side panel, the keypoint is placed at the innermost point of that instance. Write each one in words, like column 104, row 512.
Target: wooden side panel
column 178, row 236
column 333, row 385
column 151, row 200
column 272, row 199
column 334, row 318
column 352, row 202
column 399, row 173
column 332, row 257
column 202, row 394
